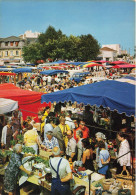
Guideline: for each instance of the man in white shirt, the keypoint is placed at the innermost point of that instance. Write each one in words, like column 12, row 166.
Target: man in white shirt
column 69, row 121
column 49, row 80
column 61, row 174
column 71, row 149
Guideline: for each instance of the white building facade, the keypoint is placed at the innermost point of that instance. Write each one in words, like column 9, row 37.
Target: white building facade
column 116, row 47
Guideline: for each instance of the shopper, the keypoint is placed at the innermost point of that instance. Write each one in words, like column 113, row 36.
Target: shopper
column 124, row 155
column 12, row 170
column 61, row 174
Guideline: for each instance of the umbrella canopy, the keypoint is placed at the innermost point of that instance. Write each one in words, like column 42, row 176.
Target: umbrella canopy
column 124, row 66
column 7, row 105
column 113, row 94
column 92, row 65
column 118, row 62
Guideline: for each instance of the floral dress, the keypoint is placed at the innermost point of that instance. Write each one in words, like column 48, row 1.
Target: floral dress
column 11, row 172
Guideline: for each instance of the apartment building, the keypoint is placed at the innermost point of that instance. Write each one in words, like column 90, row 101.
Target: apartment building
column 11, row 49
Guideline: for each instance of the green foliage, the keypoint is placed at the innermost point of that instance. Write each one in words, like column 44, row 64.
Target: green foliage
column 13, row 142
column 28, row 150
column 38, row 159
column 56, row 45
column 5, row 153
column 20, row 138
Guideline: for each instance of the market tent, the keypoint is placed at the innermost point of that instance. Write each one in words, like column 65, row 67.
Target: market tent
column 113, row 94
column 52, row 72
column 21, row 70
column 7, row 105
column 27, row 100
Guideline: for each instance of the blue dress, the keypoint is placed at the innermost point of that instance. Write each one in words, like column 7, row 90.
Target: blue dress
column 104, row 154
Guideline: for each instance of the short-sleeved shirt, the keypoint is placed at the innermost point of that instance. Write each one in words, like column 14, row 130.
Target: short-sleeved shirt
column 30, row 137
column 50, row 144
column 64, row 168
column 71, row 147
column 104, row 154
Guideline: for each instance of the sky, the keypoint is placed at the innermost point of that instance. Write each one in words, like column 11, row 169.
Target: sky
column 108, row 21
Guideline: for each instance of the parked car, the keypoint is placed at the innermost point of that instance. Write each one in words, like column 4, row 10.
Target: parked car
column 79, row 76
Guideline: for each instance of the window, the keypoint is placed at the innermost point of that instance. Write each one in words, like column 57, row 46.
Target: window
column 11, row 43
column 6, row 53
column 16, row 43
column 6, row 43
column 17, row 53
column 11, row 53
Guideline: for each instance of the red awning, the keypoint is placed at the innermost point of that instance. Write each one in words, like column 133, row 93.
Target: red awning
column 27, row 100
column 7, row 74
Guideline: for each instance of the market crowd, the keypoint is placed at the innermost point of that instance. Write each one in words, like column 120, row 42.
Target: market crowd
column 70, row 139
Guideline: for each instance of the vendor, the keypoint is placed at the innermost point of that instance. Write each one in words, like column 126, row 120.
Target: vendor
column 49, row 141
column 12, row 170
column 61, row 174
column 31, row 138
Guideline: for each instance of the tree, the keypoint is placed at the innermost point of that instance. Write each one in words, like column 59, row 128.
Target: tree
column 56, row 45
column 32, row 53
column 88, row 47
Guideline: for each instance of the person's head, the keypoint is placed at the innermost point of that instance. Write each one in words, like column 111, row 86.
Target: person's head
column 29, row 126
column 82, row 125
column 121, row 136
column 69, row 134
column 28, row 119
column 76, row 123
column 100, row 136
column 15, row 113
column 56, row 151
column 68, row 113
column 49, row 134
column 18, row 148
column 101, row 144
column 54, row 122
column 62, row 120
column 86, row 144
column 9, row 123
column 79, row 134
column 47, row 109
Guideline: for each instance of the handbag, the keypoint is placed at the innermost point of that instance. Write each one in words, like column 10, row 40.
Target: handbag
column 108, row 174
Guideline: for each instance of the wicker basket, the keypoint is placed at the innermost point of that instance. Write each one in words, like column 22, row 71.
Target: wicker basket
column 107, row 182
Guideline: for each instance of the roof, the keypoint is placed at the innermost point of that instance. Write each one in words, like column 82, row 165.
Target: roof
column 107, row 49
column 11, row 38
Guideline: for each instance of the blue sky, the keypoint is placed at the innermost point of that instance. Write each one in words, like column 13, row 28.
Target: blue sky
column 109, row 21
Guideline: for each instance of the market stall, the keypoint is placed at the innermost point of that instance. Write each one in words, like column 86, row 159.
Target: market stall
column 112, row 94
column 7, row 105
column 28, row 101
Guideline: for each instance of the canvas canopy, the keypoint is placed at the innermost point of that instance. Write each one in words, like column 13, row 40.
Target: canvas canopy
column 28, row 101
column 21, row 70
column 53, row 72
column 113, row 94
column 7, row 105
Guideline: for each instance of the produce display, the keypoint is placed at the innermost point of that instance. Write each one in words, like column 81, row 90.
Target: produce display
column 28, row 150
